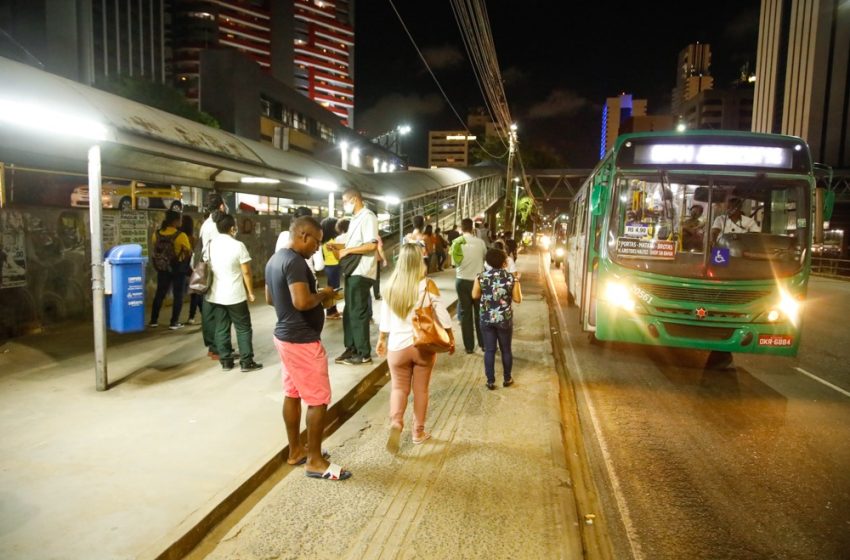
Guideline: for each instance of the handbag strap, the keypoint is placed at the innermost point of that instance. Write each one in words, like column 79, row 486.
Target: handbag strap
column 427, row 292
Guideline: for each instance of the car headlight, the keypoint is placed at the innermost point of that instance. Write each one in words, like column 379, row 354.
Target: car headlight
column 559, row 252
column 619, row 295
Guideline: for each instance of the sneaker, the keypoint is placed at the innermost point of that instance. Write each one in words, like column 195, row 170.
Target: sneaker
column 226, row 365
column 153, row 325
column 491, row 386
column 250, row 366
column 176, row 326
column 470, row 351
column 508, row 382
column 357, row 360
column 378, row 298
column 344, row 356
column 190, row 321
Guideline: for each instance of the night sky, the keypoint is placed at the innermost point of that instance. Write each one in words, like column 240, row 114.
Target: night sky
column 559, row 59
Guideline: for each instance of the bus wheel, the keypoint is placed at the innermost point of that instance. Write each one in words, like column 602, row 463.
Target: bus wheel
column 719, row 361
column 125, row 204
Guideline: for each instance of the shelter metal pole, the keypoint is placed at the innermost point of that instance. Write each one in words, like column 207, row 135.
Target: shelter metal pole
column 400, row 223
column 330, row 205
column 98, row 311
column 2, row 187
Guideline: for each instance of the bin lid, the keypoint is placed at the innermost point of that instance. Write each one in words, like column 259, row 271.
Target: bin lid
column 130, row 253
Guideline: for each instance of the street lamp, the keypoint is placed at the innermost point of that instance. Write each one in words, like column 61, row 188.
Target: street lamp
column 47, row 121
column 516, row 203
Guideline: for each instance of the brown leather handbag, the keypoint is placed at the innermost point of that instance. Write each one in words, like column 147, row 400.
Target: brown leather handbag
column 428, row 334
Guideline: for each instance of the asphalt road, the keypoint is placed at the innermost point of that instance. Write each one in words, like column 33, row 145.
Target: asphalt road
column 753, row 462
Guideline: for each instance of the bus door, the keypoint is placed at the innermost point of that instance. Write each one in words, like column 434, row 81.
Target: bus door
column 595, row 214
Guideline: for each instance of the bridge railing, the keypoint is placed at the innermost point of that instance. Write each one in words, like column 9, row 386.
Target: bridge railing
column 833, row 268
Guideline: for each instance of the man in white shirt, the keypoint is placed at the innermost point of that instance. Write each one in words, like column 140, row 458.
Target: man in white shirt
column 733, row 221
column 361, row 240
column 231, row 289
column 468, row 252
column 216, row 208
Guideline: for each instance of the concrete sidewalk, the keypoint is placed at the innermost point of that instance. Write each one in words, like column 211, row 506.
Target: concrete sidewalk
column 491, row 483
column 126, row 472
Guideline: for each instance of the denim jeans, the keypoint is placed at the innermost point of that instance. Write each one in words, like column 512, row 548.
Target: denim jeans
column 165, row 281
column 332, row 273
column 501, row 333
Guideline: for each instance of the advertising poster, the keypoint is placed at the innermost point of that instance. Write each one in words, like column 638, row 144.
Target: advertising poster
column 13, row 262
column 133, row 228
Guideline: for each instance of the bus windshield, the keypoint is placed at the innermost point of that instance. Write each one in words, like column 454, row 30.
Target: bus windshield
column 709, row 227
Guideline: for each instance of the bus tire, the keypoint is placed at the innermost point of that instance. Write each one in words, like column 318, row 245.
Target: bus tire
column 125, row 204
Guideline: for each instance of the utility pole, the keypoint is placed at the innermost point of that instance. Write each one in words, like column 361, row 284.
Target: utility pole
column 511, row 151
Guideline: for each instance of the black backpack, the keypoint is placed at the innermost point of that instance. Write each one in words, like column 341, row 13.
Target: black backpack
column 163, row 256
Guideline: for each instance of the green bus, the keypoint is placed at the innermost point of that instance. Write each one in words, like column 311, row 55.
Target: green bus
column 696, row 239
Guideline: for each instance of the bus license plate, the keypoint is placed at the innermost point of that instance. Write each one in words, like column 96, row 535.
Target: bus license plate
column 776, row 340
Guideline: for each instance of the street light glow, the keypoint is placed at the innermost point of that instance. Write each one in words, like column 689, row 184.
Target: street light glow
column 403, row 129
column 681, row 127
column 43, row 119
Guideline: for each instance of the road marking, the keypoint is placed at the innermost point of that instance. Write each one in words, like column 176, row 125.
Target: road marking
column 625, row 514
column 825, row 382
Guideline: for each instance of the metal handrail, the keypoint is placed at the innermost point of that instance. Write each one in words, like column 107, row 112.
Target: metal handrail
column 834, row 268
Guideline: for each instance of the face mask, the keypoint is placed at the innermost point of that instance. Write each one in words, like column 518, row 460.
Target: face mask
column 348, row 208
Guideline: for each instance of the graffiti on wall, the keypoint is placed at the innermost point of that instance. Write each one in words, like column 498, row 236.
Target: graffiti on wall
column 45, row 275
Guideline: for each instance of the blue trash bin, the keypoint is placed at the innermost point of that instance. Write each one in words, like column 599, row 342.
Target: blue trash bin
column 125, row 280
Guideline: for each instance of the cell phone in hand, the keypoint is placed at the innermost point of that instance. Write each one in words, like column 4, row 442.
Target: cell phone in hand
column 338, row 290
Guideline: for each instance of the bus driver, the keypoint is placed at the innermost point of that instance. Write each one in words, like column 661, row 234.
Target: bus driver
column 733, row 221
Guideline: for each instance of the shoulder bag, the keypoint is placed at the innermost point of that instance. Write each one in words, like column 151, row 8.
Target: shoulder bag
column 428, row 334
column 348, row 264
column 201, row 278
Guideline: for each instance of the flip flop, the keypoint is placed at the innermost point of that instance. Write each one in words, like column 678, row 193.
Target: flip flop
column 333, row 472
column 303, row 460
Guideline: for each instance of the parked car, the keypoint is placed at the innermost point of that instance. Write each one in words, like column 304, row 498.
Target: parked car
column 121, row 196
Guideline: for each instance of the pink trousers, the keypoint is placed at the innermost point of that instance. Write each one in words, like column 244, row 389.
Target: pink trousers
column 410, row 367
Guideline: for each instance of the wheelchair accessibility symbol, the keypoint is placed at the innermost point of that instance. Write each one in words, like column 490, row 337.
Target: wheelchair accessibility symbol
column 720, row 256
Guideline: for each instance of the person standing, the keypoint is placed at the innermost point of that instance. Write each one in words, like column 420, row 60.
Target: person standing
column 410, row 366
column 317, row 261
column 216, row 208
column 292, row 289
column 497, row 289
column 468, row 257
column 360, row 243
column 187, row 226
column 331, row 263
column 441, row 245
column 170, row 254
column 430, row 249
column 231, row 290
column 382, row 262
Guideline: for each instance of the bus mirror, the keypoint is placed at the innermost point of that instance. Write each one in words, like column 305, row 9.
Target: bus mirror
column 596, row 200
column 828, row 205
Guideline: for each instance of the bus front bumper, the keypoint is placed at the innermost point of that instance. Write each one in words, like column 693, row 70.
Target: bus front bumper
column 615, row 324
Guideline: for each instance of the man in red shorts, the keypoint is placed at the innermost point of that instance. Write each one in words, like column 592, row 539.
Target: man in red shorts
column 291, row 289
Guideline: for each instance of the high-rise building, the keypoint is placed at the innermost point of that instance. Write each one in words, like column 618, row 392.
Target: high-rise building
column 615, row 111
column 89, row 40
column 728, row 109
column 306, row 44
column 693, row 74
column 324, row 54
column 803, row 75
column 481, row 124
column 449, row 148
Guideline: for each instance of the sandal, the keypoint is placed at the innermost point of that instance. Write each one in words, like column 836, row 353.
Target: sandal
column 333, row 472
column 303, row 460
column 423, row 437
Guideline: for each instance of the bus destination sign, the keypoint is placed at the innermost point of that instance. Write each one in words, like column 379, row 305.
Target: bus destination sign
column 714, row 154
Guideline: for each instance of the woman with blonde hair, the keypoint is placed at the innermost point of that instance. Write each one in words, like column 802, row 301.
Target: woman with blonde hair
column 410, row 367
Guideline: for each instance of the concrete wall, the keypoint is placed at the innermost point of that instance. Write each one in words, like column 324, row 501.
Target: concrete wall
column 45, row 263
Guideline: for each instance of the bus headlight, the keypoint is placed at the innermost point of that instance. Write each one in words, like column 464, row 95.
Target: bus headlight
column 790, row 307
column 619, row 295
column 773, row 315
column 559, row 252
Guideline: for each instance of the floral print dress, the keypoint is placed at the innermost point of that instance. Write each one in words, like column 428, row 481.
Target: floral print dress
column 497, row 287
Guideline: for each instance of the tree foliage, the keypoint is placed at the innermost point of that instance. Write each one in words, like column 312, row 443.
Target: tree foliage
column 533, row 156
column 160, row 96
